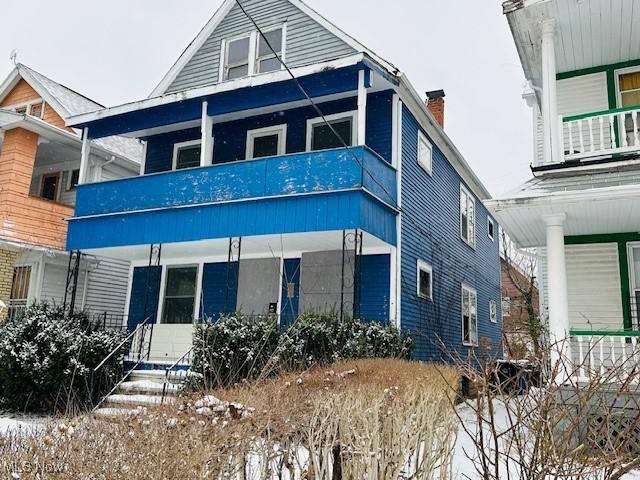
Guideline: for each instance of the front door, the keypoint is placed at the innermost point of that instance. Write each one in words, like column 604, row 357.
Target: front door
column 634, row 280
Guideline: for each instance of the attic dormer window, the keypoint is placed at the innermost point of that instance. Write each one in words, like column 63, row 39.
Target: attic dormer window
column 253, row 53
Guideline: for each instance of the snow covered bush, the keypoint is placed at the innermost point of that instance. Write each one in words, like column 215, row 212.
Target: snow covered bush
column 237, row 347
column 46, row 358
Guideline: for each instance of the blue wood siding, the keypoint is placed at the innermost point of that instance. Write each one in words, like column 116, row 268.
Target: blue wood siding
column 219, row 289
column 322, row 171
column 289, row 310
column 231, row 137
column 289, row 214
column 375, row 287
column 317, row 85
column 433, row 202
column 145, row 293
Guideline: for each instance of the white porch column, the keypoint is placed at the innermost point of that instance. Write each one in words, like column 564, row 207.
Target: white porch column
column 84, row 157
column 362, row 109
column 550, row 126
column 206, row 129
column 557, row 288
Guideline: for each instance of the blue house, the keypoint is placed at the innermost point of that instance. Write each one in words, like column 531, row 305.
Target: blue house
column 326, row 185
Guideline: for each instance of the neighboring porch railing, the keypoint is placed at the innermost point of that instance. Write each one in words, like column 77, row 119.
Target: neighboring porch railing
column 601, row 133
column 177, row 372
column 609, row 356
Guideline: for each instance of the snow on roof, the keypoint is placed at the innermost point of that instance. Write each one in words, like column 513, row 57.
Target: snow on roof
column 589, row 180
column 68, row 102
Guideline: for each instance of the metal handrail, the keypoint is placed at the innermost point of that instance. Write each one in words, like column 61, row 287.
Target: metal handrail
column 121, row 344
column 169, row 369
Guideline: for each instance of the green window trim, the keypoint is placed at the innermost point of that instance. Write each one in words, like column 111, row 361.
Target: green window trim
column 621, row 239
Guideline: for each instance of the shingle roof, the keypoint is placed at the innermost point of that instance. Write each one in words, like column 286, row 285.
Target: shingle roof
column 68, row 102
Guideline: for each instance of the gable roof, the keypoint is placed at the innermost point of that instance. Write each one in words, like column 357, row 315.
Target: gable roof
column 67, row 103
column 222, row 12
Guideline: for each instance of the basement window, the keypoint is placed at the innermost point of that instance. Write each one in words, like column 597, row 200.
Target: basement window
column 425, row 280
column 469, row 316
column 186, row 155
column 180, row 295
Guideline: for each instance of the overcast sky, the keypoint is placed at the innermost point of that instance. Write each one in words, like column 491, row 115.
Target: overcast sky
column 117, row 50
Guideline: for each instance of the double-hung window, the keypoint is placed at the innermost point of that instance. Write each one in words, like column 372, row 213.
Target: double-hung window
column 186, row 154
column 491, row 227
column 493, row 311
column 266, row 142
column 425, row 153
column 467, row 217
column 266, row 59
column 180, row 295
column 253, row 53
column 338, row 128
column 425, row 280
column 469, row 316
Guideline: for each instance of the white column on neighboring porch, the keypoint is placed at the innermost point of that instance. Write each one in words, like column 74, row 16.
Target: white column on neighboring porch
column 550, row 125
column 206, row 147
column 558, row 302
column 84, row 157
column 362, row 109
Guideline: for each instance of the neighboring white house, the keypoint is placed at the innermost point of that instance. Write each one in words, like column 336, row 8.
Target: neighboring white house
column 581, row 209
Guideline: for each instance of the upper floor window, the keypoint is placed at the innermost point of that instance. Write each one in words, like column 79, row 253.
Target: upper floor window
column 252, row 53
column 266, row 142
column 35, row 109
column 629, row 89
column 469, row 316
column 74, row 175
column 266, row 60
column 321, row 136
column 493, row 311
column 425, row 280
column 491, row 226
column 467, row 217
column 186, row 155
column 49, row 186
column 425, row 153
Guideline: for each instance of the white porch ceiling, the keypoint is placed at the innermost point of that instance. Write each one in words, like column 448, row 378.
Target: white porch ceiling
column 264, row 246
column 589, row 33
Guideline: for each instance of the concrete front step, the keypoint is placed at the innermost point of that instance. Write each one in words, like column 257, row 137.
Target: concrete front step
column 138, row 399
column 176, row 376
column 114, row 412
column 146, row 386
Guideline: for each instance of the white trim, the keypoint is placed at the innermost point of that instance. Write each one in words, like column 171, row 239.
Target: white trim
column 70, row 176
column 143, row 160
column 28, row 104
column 127, row 302
column 84, row 156
column 616, row 74
column 397, row 149
column 634, row 283
column 281, row 285
column 493, row 316
column 283, row 44
column 280, row 130
column 198, row 300
column 353, row 115
column 180, row 145
column 422, row 139
column 256, row 80
column 493, row 225
column 464, row 190
column 163, row 288
column 362, row 110
column 206, row 134
column 475, row 293
column 224, row 55
column 422, row 266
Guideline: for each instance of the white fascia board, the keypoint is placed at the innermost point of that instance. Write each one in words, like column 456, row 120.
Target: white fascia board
column 263, row 79
column 43, row 92
column 192, row 48
column 625, row 192
column 9, row 83
column 418, row 107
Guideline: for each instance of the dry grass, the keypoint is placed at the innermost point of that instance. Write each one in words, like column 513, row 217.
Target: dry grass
column 375, row 418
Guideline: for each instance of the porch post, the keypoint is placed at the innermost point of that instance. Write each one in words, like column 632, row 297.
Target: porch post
column 550, row 127
column 206, row 129
column 558, row 299
column 362, row 109
column 84, row 157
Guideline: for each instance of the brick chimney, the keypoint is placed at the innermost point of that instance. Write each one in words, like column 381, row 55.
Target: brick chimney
column 435, row 104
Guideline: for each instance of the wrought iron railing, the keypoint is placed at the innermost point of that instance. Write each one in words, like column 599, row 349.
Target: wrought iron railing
column 178, row 370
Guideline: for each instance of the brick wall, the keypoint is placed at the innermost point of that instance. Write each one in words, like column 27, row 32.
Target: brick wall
column 7, row 262
column 516, row 314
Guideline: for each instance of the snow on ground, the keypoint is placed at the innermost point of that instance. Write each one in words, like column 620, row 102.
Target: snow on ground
column 16, row 424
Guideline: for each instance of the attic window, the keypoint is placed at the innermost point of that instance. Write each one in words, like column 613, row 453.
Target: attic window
column 253, row 53
column 266, row 60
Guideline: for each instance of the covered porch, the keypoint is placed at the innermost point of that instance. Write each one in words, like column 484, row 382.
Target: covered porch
column 177, row 285
column 586, row 229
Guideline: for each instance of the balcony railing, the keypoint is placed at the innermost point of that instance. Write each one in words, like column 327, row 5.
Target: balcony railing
column 602, row 133
column 294, row 174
